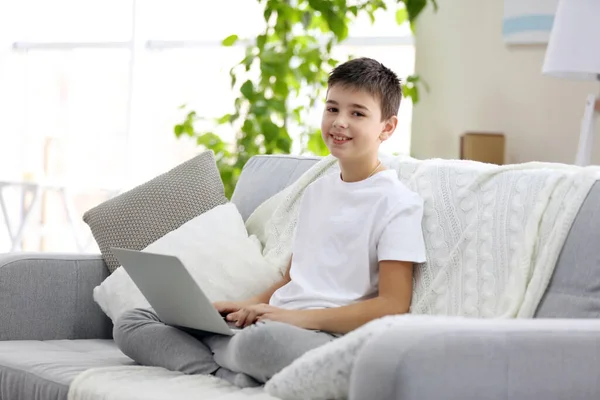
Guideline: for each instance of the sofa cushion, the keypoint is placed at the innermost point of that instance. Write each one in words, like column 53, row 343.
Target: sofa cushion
column 147, row 212
column 266, row 175
column 574, row 290
column 43, row 370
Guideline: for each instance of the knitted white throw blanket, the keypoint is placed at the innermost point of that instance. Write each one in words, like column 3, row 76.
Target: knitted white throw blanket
column 493, row 235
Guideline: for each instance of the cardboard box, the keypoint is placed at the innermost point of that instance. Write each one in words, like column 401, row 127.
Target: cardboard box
column 484, row 147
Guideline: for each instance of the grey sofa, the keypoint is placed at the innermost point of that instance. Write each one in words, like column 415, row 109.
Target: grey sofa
column 51, row 329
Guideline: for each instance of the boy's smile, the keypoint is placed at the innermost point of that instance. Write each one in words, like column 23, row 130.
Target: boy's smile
column 339, row 139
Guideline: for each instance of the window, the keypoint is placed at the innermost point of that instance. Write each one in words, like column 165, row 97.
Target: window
column 90, row 92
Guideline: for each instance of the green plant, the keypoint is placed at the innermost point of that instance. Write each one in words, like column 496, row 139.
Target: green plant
column 293, row 58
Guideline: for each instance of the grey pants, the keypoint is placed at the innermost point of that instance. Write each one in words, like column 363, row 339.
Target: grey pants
column 259, row 351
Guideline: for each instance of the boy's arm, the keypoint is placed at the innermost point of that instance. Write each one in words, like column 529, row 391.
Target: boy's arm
column 265, row 296
column 395, row 293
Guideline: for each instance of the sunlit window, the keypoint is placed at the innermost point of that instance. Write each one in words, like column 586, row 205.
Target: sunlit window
column 90, row 92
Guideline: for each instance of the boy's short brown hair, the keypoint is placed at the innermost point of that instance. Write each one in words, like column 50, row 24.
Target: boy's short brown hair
column 374, row 78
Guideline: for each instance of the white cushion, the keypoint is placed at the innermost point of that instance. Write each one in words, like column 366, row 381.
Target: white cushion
column 225, row 262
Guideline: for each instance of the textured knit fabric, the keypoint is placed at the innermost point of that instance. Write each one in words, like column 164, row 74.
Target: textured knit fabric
column 146, row 213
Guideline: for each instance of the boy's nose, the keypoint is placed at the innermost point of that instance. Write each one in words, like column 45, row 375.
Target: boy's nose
column 340, row 123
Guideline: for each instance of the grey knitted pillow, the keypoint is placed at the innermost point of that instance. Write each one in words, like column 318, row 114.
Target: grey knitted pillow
column 144, row 214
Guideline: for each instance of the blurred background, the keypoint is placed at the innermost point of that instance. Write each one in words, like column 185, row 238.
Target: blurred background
column 97, row 97
column 90, row 92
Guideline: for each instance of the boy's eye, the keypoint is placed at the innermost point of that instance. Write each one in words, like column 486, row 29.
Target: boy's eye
column 332, row 109
column 358, row 114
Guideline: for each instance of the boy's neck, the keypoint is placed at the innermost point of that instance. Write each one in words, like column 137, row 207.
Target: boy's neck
column 358, row 170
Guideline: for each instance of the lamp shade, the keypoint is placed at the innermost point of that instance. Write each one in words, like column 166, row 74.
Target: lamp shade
column 574, row 46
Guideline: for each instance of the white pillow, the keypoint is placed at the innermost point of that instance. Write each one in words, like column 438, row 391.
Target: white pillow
column 225, row 262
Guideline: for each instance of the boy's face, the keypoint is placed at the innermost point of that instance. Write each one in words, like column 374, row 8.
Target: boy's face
column 351, row 125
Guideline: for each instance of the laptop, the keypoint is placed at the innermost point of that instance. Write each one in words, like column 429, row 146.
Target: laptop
column 172, row 292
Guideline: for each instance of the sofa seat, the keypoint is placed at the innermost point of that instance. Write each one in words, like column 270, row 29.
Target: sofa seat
column 43, row 370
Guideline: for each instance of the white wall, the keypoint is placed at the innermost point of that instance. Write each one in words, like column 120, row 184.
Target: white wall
column 477, row 83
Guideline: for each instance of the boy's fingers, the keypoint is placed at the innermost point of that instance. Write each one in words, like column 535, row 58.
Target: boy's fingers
column 233, row 316
column 241, row 318
column 224, row 309
column 250, row 318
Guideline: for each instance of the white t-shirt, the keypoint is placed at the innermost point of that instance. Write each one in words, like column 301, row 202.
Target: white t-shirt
column 344, row 229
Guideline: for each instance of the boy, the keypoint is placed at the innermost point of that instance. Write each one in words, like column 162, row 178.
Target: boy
column 357, row 238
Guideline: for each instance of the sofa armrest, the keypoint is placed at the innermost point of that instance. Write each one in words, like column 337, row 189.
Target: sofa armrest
column 45, row 296
column 518, row 359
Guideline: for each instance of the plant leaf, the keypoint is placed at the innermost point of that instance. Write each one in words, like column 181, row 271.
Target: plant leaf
column 267, row 14
column 224, row 119
column 230, row 40
column 247, row 90
column 270, row 130
column 401, row 16
column 414, row 8
column 260, row 41
column 188, row 128
column 178, row 129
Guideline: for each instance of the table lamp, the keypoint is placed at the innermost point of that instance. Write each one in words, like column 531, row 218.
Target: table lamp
column 574, row 53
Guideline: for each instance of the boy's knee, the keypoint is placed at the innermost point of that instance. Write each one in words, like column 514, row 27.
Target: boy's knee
column 130, row 320
column 255, row 348
column 249, row 340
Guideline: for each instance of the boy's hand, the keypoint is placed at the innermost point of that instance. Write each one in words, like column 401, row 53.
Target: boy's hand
column 227, row 307
column 299, row 318
column 247, row 315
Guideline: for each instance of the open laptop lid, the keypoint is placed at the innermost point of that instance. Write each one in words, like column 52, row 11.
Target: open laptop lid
column 171, row 290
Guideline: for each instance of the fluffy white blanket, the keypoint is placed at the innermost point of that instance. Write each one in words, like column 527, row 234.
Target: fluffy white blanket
column 151, row 383
column 493, row 235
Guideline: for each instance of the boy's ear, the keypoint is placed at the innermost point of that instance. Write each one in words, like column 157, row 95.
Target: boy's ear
column 388, row 128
